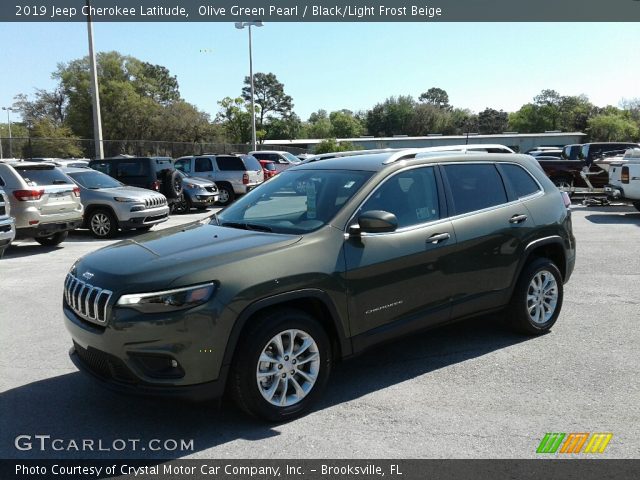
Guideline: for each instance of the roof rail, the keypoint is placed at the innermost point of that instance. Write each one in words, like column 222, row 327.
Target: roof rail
column 462, row 149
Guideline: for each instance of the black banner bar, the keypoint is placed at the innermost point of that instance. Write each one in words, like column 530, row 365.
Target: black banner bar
column 569, row 469
column 321, row 10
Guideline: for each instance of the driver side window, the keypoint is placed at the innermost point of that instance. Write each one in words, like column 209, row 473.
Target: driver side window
column 412, row 196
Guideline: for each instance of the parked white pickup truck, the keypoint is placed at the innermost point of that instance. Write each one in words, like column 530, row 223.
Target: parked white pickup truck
column 624, row 178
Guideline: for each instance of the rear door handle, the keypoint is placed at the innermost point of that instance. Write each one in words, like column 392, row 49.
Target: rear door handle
column 438, row 237
column 517, row 219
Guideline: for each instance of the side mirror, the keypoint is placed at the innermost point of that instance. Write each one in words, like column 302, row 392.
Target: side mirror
column 374, row 221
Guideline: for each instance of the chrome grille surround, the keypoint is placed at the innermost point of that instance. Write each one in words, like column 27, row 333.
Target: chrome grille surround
column 86, row 300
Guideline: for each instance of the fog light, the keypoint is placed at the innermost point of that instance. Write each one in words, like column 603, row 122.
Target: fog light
column 158, row 366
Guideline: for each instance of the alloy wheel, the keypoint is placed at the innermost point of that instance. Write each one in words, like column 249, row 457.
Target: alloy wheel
column 542, row 297
column 100, row 224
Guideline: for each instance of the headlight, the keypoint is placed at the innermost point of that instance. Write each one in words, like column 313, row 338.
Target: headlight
column 169, row 300
column 126, row 200
column 190, row 185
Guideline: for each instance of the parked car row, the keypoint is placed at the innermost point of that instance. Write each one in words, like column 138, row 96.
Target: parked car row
column 45, row 198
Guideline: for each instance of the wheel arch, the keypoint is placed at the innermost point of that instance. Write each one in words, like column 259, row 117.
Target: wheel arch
column 98, row 206
column 314, row 302
column 549, row 247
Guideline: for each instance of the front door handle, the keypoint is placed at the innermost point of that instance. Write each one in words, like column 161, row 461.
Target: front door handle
column 438, row 237
column 517, row 219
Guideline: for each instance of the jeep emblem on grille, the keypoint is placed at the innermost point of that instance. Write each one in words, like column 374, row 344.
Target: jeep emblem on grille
column 88, row 275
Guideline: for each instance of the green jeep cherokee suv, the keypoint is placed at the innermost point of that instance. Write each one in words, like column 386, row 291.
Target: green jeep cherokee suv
column 261, row 299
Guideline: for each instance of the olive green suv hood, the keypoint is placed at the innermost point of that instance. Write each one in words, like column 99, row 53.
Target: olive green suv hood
column 189, row 253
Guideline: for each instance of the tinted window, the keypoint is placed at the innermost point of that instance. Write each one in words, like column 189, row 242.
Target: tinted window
column 132, row 169
column 42, row 176
column 163, row 164
column 230, row 164
column 523, row 184
column 184, row 165
column 103, row 167
column 203, row 165
column 412, row 196
column 269, row 166
column 262, row 156
column 475, row 187
column 251, row 163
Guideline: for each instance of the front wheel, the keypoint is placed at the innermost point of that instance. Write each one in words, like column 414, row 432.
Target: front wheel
column 102, row 224
column 53, row 240
column 281, row 366
column 183, row 205
column 537, row 298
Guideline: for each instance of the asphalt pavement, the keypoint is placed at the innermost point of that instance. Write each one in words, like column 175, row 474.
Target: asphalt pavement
column 470, row 390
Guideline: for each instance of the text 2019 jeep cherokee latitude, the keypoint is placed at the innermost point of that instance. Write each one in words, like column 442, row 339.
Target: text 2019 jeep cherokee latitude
column 263, row 299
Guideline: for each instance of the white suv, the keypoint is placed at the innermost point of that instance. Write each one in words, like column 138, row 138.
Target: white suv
column 44, row 201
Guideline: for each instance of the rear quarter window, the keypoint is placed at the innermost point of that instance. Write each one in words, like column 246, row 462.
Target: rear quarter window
column 475, row 187
column 39, row 176
column 230, row 164
column 521, row 181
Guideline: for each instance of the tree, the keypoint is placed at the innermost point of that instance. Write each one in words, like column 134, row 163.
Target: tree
column 437, row 97
column 612, row 128
column 331, row 145
column 235, row 117
column 318, row 126
column 548, row 102
column 392, row 117
column 51, row 140
column 529, row 119
column 492, row 121
column 285, row 128
column 269, row 97
column 345, row 125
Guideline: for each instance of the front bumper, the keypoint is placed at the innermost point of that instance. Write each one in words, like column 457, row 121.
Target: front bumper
column 614, row 192
column 202, row 198
column 116, row 354
column 146, row 217
column 7, row 233
column 48, row 229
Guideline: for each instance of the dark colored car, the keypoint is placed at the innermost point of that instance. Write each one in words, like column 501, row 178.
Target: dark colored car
column 263, row 299
column 592, row 151
column 153, row 173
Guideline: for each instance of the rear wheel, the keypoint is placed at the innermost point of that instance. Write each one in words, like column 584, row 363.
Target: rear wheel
column 226, row 195
column 537, row 298
column 53, row 240
column 183, row 205
column 102, row 224
column 281, row 365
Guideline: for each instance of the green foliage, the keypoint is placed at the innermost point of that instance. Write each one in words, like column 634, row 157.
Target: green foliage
column 437, row 97
column 235, row 117
column 51, row 140
column 332, row 145
column 611, row 127
column 492, row 121
column 345, row 125
column 392, row 117
column 269, row 96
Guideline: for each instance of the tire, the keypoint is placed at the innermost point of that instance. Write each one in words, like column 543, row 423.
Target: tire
column 183, row 205
column 252, row 390
column 172, row 184
column 540, row 281
column 637, row 205
column 53, row 240
column 226, row 195
column 102, row 223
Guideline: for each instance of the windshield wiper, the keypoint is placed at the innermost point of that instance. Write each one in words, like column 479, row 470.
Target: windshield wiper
column 247, row 226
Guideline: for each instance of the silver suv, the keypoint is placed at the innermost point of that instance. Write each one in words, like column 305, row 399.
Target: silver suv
column 109, row 204
column 7, row 225
column 233, row 174
column 44, row 201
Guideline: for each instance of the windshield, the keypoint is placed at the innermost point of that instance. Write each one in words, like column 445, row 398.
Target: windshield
column 93, row 180
column 292, row 158
column 294, row 201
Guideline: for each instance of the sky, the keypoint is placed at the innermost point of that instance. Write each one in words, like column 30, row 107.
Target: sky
column 332, row 66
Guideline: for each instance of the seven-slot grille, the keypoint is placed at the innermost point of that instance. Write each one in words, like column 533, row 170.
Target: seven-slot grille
column 3, row 211
column 154, row 202
column 86, row 300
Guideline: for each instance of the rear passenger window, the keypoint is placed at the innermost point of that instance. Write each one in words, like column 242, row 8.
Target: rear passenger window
column 184, row 165
column 203, row 165
column 132, row 169
column 521, row 181
column 230, row 163
column 475, row 187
